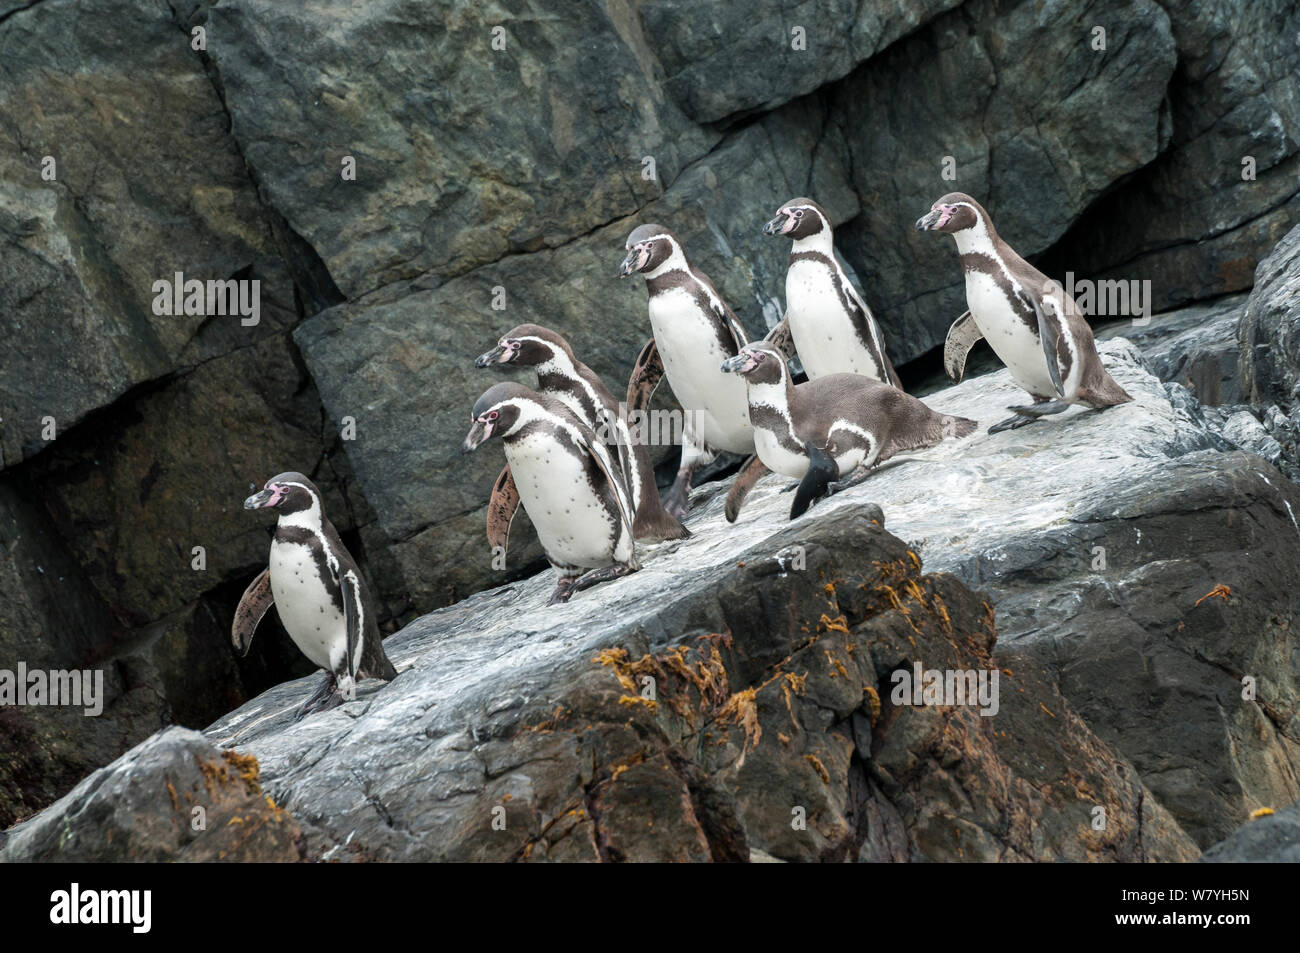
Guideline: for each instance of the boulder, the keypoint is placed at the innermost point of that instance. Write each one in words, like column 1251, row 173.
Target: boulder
column 1020, row 101
column 176, row 797
column 1195, row 346
column 1269, row 333
column 147, row 182
column 1197, row 220
column 723, row 58
column 1272, row 838
column 476, row 133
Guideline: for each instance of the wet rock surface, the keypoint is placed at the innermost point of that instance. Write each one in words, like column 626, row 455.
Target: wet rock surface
column 1119, row 680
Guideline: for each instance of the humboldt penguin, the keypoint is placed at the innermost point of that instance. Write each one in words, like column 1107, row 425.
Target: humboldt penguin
column 572, row 488
column 1033, row 326
column 562, row 376
column 318, row 592
column 834, row 331
column 694, row 332
column 833, row 427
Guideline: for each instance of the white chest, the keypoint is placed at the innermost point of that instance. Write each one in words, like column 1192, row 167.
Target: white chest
column 1019, row 348
column 572, row 523
column 692, row 353
column 307, row 611
column 776, row 457
column 823, row 332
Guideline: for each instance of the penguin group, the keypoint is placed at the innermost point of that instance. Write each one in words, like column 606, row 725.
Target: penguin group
column 579, row 468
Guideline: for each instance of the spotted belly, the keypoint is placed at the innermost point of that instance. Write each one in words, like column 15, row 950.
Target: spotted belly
column 823, row 333
column 573, row 524
column 1015, row 344
column 692, row 355
column 306, row 609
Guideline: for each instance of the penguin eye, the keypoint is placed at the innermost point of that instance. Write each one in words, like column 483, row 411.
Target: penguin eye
column 798, row 213
column 492, row 415
column 513, row 345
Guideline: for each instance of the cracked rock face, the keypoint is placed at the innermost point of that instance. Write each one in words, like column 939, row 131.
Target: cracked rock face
column 733, row 699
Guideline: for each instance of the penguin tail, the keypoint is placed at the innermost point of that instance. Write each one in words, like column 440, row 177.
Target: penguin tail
column 958, row 426
column 659, row 526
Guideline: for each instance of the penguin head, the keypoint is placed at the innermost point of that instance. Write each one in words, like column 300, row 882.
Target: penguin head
column 648, row 247
column 526, row 345
column 286, row 492
column 955, row 212
column 495, row 413
column 758, row 363
column 799, row 218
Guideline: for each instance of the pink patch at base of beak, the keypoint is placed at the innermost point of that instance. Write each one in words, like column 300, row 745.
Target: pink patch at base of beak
column 945, row 214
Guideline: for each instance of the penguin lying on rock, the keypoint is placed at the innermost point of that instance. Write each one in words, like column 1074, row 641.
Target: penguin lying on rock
column 562, row 376
column 828, row 433
column 1033, row 326
column 832, row 328
column 318, row 592
column 572, row 488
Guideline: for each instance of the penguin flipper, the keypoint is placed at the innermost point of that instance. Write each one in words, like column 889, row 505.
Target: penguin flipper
column 257, row 598
column 646, row 375
column 781, row 339
column 751, row 471
column 821, row 471
column 962, row 336
column 1049, row 334
column 354, row 616
column 617, row 481
column 502, row 506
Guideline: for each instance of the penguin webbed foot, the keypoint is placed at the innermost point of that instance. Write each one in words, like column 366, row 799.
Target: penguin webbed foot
column 677, row 501
column 563, row 590
column 853, row 479
column 1013, row 423
column 327, row 696
column 1044, row 409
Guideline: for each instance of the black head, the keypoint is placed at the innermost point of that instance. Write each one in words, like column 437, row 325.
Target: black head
column 648, row 247
column 495, row 413
column 758, row 363
column 799, row 218
column 955, row 212
column 526, row 345
column 286, row 493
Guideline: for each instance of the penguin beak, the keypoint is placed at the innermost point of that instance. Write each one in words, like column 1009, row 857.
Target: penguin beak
column 259, row 500
column 738, row 364
column 478, row 433
column 629, row 264
column 495, row 356
column 776, row 226
column 928, row 221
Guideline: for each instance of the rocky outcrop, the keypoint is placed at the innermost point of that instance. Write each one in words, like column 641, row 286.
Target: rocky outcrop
column 1269, row 333
column 514, row 150
column 1272, row 838
column 1085, row 559
column 1036, row 145
column 177, row 797
column 1198, row 219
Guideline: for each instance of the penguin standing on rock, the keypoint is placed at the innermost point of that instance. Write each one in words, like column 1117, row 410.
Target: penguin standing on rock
column 573, row 490
column 1033, row 326
column 562, row 376
column 833, row 330
column 694, row 332
column 829, row 433
column 318, row 592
